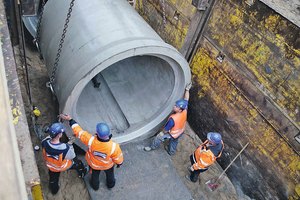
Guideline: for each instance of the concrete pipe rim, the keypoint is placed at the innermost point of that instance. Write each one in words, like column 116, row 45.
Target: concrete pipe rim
column 155, row 121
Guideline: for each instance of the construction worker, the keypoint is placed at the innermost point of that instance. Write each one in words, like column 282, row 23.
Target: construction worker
column 175, row 126
column 102, row 153
column 59, row 156
column 205, row 155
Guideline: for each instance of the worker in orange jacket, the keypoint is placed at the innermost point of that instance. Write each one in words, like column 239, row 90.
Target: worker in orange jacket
column 175, row 126
column 59, row 156
column 102, row 153
column 205, row 155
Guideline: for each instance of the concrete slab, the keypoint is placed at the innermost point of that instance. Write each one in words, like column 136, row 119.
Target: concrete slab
column 144, row 175
column 289, row 9
column 12, row 178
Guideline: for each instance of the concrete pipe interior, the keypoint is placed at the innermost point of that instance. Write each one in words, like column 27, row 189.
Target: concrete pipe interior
column 131, row 93
column 140, row 75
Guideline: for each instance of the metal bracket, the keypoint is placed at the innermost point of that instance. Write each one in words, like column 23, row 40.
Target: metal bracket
column 220, row 57
column 49, row 85
column 132, row 2
column 297, row 137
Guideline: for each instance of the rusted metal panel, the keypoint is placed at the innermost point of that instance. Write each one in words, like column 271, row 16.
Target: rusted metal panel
column 170, row 19
column 252, row 95
column 290, row 9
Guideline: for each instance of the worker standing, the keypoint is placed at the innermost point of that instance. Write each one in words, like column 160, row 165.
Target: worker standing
column 205, row 155
column 102, row 153
column 175, row 126
column 59, row 156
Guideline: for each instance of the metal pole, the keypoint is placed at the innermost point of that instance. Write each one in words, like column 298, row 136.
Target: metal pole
column 232, row 162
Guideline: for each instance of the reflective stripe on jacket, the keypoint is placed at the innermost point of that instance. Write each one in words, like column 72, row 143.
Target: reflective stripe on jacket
column 179, row 123
column 204, row 157
column 100, row 155
column 55, row 161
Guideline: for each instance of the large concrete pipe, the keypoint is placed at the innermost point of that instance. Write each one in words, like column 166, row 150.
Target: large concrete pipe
column 140, row 75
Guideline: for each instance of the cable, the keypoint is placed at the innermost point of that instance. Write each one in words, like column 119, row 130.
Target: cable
column 24, row 54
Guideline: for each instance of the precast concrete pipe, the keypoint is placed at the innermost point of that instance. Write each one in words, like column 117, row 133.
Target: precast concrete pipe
column 140, row 76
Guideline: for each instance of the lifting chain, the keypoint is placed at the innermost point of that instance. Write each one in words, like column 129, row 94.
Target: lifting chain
column 164, row 12
column 50, row 84
column 36, row 40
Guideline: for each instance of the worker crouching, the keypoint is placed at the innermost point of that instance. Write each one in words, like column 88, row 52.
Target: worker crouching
column 205, row 155
column 102, row 153
column 59, row 156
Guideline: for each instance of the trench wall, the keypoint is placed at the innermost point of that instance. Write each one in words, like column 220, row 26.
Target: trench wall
column 252, row 95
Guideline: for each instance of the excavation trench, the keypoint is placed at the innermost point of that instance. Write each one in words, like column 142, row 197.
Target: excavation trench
column 107, row 43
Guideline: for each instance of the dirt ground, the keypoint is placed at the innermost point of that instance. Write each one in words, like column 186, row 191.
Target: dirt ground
column 72, row 187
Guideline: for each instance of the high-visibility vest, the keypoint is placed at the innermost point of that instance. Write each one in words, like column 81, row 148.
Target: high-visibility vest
column 179, row 123
column 56, row 163
column 204, row 157
column 99, row 154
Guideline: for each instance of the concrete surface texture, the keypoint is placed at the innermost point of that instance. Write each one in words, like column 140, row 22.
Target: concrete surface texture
column 144, row 175
column 140, row 75
column 290, row 9
column 12, row 178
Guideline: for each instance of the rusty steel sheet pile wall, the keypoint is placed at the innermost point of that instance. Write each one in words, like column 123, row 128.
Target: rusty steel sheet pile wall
column 170, row 19
column 253, row 95
column 256, row 92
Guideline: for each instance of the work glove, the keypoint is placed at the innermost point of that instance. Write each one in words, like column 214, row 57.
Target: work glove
column 188, row 86
column 192, row 168
column 161, row 134
column 119, row 165
column 65, row 117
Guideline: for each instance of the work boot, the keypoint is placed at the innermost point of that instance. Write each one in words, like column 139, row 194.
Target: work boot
column 167, row 150
column 148, row 149
column 95, row 187
column 188, row 178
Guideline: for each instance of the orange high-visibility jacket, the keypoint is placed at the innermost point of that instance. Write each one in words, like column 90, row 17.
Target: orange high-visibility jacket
column 204, row 157
column 100, row 155
column 56, row 162
column 179, row 123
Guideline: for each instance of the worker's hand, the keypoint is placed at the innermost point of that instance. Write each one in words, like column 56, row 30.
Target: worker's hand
column 161, row 134
column 71, row 140
column 119, row 165
column 188, row 86
column 65, row 117
column 192, row 168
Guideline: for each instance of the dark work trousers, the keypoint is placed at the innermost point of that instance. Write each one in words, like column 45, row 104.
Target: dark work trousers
column 54, row 176
column 195, row 174
column 53, row 181
column 110, row 178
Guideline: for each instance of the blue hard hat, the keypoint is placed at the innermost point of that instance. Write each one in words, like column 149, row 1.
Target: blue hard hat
column 182, row 103
column 103, row 131
column 55, row 129
column 213, row 137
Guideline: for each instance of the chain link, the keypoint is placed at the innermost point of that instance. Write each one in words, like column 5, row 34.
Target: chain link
column 61, row 42
column 36, row 40
column 164, row 12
